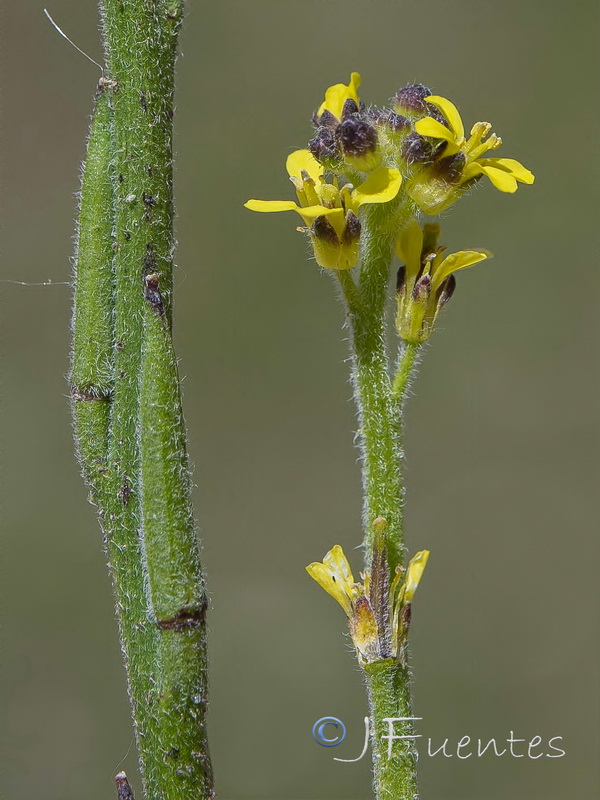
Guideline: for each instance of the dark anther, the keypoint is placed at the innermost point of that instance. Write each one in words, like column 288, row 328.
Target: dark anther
column 323, row 229
column 422, row 288
column 153, row 294
column 127, row 236
column 446, row 290
column 350, row 107
column 186, row 618
column 123, row 788
column 352, row 228
column 400, row 279
column 356, row 136
column 143, row 103
column 119, row 346
column 450, row 167
column 173, row 752
column 121, row 178
column 411, row 99
column 416, row 149
column 149, row 199
column 324, row 146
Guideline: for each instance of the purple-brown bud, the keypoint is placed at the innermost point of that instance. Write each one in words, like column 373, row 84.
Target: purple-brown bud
column 416, row 149
column 350, row 107
column 410, row 100
column 324, row 147
column 358, row 140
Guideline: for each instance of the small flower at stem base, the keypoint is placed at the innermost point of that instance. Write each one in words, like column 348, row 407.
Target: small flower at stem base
column 379, row 607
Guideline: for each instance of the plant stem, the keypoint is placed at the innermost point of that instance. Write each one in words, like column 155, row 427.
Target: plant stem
column 132, row 445
column 380, row 404
column 395, row 761
column 91, row 375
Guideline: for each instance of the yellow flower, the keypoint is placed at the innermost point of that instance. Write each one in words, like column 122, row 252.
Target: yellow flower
column 330, row 213
column 432, row 190
column 378, row 633
column 336, row 96
column 426, row 282
column 335, row 576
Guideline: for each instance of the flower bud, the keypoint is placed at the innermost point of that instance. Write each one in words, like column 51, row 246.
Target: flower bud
column 410, row 101
column 325, row 148
column 350, row 107
column 358, row 140
column 416, row 149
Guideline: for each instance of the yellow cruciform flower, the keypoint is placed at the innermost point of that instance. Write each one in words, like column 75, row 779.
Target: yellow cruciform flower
column 330, row 213
column 426, row 282
column 359, row 602
column 336, row 96
column 429, row 189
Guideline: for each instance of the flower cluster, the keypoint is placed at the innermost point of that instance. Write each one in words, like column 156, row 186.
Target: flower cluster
column 409, row 158
column 378, row 609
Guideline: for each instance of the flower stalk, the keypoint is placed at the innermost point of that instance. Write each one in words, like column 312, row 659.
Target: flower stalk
column 126, row 400
column 364, row 181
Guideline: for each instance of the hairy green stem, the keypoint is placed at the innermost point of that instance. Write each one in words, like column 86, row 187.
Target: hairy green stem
column 127, row 406
column 380, row 404
column 394, row 758
column 91, row 375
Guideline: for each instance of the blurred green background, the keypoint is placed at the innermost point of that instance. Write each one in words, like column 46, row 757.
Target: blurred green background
column 503, row 428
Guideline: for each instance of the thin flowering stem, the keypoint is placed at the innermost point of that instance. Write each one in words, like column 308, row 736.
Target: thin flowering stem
column 380, row 404
column 413, row 163
column 377, row 403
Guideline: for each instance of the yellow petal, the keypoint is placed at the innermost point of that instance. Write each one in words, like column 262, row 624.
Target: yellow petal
column 336, row 96
column 303, row 160
column 336, row 560
column 381, row 186
column 322, row 575
column 501, row 179
column 308, row 214
column 409, row 246
column 271, row 205
column 456, row 261
column 450, row 112
column 510, row 165
column 428, row 126
column 335, row 576
column 415, row 570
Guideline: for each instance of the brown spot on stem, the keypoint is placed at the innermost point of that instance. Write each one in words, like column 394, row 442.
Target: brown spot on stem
column 186, row 618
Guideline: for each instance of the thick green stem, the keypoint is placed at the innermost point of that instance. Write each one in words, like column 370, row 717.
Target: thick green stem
column 127, row 405
column 380, row 404
column 394, row 758
column 176, row 587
